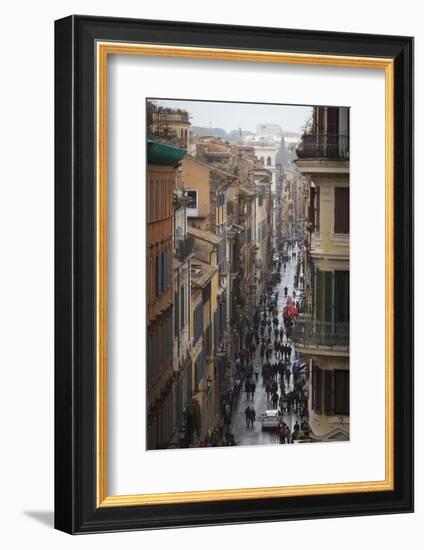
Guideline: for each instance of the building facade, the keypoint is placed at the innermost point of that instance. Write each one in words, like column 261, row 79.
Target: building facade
column 322, row 335
column 183, row 251
column 161, row 173
column 204, row 327
column 266, row 153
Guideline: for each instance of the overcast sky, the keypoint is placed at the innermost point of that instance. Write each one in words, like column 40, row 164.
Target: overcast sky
column 231, row 116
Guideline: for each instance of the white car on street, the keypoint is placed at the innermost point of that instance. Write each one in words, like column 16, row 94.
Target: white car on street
column 270, row 419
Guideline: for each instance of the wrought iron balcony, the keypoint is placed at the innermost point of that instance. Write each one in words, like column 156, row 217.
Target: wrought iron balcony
column 324, row 146
column 309, row 333
column 184, row 247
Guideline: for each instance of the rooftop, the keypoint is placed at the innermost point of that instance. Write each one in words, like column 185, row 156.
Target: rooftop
column 204, row 235
column 201, row 272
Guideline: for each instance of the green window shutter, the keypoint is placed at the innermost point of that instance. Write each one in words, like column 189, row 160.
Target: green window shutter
column 341, row 297
column 318, row 295
column 328, row 296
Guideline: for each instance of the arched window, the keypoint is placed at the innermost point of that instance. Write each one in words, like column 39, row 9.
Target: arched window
column 268, row 161
column 262, row 160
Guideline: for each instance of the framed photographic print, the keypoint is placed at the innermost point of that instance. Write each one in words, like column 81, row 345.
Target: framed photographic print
column 233, row 274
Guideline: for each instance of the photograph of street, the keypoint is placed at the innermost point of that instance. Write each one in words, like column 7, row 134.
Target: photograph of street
column 247, row 268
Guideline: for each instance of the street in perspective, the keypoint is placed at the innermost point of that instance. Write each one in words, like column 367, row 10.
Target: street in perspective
column 247, row 262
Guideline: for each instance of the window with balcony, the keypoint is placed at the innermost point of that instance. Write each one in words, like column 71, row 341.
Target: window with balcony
column 324, row 296
column 341, row 210
column 192, row 207
column 332, row 296
column 341, row 296
column 341, row 392
column 330, row 391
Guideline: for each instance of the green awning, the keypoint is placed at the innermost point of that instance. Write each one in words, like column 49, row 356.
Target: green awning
column 160, row 154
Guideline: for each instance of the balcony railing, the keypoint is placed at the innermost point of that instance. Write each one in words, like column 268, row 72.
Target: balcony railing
column 184, row 247
column 315, row 334
column 327, row 146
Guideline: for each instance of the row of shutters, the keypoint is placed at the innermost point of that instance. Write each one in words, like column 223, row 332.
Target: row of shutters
column 180, row 310
column 332, row 296
column 163, row 272
column 159, row 349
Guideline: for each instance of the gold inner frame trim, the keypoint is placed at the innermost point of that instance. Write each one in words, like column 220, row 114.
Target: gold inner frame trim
column 103, row 50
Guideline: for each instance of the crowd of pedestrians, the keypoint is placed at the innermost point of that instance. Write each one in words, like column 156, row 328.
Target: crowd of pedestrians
column 267, row 357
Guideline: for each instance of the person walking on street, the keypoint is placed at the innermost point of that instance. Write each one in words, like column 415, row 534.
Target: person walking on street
column 282, row 432
column 252, row 416
column 288, row 434
column 268, row 391
column 288, row 375
column 247, row 414
column 247, row 389
column 257, row 373
column 252, row 389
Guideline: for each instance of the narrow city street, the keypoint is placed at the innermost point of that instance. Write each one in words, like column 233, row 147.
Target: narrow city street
column 248, row 307
column 255, row 435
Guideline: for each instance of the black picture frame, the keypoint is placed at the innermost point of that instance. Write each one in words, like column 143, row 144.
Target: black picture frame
column 76, row 510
